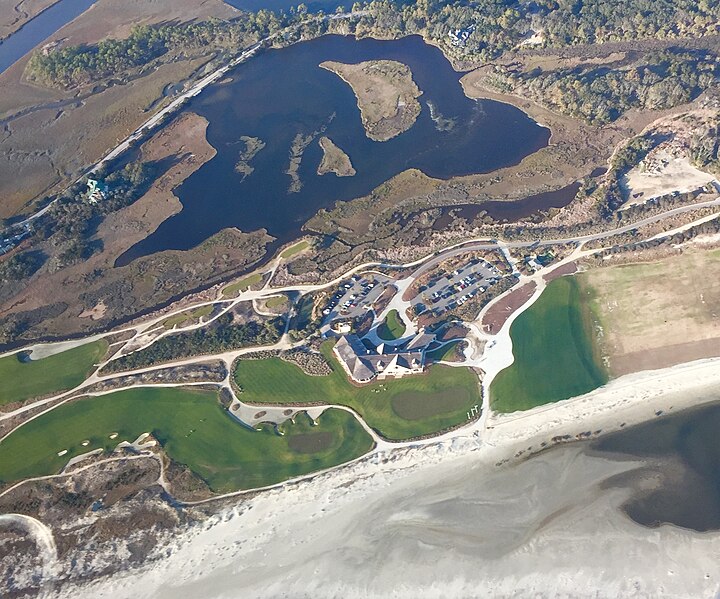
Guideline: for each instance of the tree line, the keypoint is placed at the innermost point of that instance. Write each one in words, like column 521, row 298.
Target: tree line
column 601, row 94
column 221, row 336
column 491, row 26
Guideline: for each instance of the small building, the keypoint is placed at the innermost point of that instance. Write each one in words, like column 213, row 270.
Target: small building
column 97, row 191
column 459, row 37
column 341, row 327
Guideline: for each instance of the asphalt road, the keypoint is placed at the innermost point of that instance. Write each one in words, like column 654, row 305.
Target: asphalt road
column 469, row 246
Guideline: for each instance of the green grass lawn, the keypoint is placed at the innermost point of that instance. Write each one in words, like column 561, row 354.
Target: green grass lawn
column 295, row 249
column 392, row 327
column 278, row 301
column 24, row 380
column 194, row 430
column 397, row 409
column 443, row 353
column 241, row 285
column 555, row 352
column 187, row 316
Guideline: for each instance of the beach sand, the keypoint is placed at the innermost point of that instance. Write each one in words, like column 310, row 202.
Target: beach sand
column 444, row 521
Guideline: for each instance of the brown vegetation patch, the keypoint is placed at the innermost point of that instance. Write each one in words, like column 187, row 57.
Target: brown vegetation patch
column 50, row 146
column 455, row 331
column 147, row 281
column 15, row 13
column 566, row 269
column 334, row 160
column 663, row 357
column 385, row 92
column 499, row 312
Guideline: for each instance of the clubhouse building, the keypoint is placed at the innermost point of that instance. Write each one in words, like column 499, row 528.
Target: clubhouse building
column 363, row 364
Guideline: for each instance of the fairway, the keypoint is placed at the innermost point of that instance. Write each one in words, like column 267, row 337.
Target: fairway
column 295, row 249
column 396, row 409
column 34, row 378
column 241, row 285
column 555, row 353
column 392, row 327
column 194, row 430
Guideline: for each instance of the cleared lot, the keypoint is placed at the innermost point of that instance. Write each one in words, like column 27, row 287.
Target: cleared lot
column 659, row 314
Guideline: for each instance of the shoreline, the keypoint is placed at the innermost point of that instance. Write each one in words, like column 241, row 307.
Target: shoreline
column 247, row 532
column 629, row 400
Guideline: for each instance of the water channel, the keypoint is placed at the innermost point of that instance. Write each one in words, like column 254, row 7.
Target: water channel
column 37, row 30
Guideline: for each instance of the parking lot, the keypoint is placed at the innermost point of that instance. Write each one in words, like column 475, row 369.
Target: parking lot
column 450, row 290
column 354, row 297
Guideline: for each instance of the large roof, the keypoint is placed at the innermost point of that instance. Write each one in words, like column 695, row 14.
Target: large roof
column 363, row 363
column 420, row 341
column 354, row 354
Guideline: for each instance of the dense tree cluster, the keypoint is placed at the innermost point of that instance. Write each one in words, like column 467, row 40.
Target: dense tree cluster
column 76, row 65
column 569, row 22
column 492, row 26
column 498, row 25
column 600, row 94
column 611, row 195
column 20, row 266
column 72, row 219
column 489, row 27
column 705, row 147
column 223, row 335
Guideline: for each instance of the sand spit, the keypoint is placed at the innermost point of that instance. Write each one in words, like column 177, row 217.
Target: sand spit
column 444, row 521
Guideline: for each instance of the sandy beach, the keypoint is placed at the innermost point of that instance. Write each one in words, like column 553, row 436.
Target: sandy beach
column 444, row 521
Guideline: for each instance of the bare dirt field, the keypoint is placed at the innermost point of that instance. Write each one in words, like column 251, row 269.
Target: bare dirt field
column 668, row 167
column 386, row 95
column 15, row 13
column 657, row 314
column 565, row 269
column 660, row 174
column 496, row 316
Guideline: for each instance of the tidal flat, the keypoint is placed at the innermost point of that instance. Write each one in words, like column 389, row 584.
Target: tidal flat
column 454, row 528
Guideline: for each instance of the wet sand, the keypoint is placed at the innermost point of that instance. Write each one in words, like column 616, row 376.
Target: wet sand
column 441, row 521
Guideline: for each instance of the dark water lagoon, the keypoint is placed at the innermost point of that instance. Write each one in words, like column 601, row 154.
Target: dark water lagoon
column 682, row 474
column 509, row 211
column 39, row 29
column 283, row 93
